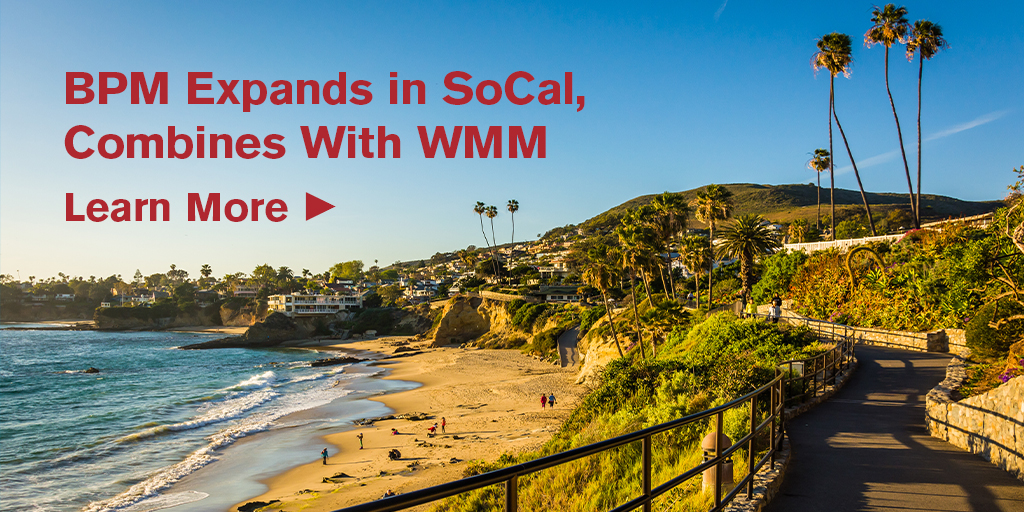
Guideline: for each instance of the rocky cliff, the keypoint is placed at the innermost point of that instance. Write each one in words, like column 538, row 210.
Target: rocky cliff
column 597, row 349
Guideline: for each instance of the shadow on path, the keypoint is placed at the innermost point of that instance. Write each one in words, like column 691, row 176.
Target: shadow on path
column 868, row 449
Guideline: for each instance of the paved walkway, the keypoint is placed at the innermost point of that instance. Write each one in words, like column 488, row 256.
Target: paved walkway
column 568, row 354
column 867, row 448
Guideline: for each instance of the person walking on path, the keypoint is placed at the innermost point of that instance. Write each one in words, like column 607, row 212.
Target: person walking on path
column 443, row 423
column 324, row 455
column 776, row 310
column 551, row 400
column 543, row 400
column 360, row 437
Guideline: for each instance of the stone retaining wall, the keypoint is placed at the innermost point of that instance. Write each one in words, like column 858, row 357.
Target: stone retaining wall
column 942, row 340
column 990, row 424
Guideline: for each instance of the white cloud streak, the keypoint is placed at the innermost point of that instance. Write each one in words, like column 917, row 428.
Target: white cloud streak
column 891, row 155
column 718, row 13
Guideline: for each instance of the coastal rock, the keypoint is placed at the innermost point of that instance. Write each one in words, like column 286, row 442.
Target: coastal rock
column 598, row 349
column 460, row 322
column 275, row 329
column 255, row 505
column 90, row 370
column 333, row 361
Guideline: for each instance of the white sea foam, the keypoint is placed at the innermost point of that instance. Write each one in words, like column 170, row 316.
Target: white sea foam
column 256, row 422
column 161, row 501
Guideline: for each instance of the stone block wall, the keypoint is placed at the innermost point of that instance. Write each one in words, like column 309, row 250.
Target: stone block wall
column 990, row 424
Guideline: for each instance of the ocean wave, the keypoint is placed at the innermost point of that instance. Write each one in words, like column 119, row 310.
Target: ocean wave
column 205, row 455
column 229, row 409
column 255, row 382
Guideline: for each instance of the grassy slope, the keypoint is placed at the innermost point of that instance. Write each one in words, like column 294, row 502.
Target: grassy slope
column 785, row 203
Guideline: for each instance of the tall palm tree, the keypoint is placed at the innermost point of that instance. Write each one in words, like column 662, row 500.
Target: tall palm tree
column 891, row 26
column 513, row 207
column 635, row 256
column 696, row 256
column 491, row 212
column 926, row 38
column 820, row 163
column 602, row 273
column 835, row 54
column 747, row 239
column 673, row 214
column 711, row 205
column 480, row 208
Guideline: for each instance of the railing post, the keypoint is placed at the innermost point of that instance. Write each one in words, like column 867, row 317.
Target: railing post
column 512, row 494
column 718, row 466
column 750, row 448
column 773, row 414
column 647, row 473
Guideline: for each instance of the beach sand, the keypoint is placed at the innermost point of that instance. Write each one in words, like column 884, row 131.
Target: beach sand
column 490, row 398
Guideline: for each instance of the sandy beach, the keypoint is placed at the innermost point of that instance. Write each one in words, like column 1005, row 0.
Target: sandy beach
column 489, row 398
column 211, row 329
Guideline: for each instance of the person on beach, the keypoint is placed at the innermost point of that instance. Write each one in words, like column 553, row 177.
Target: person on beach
column 324, row 455
column 432, row 430
column 443, row 423
column 394, row 431
column 551, row 400
column 543, row 400
column 360, row 437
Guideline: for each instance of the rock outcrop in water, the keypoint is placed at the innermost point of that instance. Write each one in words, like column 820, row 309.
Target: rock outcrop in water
column 277, row 328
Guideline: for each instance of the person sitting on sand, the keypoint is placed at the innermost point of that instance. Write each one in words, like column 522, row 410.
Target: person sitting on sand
column 432, row 430
column 324, row 455
column 388, row 494
column 543, row 400
column 394, row 431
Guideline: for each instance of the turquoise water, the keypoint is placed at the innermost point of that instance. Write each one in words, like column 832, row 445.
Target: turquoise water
column 153, row 416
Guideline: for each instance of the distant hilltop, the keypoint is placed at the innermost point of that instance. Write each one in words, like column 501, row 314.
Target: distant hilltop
column 786, row 203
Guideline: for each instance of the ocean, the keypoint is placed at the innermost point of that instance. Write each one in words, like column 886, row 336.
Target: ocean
column 160, row 428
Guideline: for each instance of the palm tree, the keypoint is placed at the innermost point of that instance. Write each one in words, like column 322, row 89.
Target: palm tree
column 696, row 256
column 635, row 257
column 925, row 37
column 480, row 209
column 673, row 213
column 491, row 213
column 601, row 273
column 798, row 231
column 835, row 55
column 820, row 163
column 205, row 271
column 711, row 205
column 747, row 239
column 891, row 26
column 513, row 207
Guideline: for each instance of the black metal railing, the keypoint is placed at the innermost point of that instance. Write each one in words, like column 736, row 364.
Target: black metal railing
column 825, row 366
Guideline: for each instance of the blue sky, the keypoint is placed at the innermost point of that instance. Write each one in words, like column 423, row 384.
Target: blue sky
column 677, row 96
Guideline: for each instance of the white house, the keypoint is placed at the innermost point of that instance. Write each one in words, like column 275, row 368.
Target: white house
column 313, row 305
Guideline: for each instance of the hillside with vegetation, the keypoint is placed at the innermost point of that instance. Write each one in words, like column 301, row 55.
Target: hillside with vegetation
column 787, row 203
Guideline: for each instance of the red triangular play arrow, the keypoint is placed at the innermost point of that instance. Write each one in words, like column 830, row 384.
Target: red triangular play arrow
column 315, row 206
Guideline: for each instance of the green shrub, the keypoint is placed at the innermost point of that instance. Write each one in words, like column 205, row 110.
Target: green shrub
column 777, row 273
column 589, row 317
column 986, row 341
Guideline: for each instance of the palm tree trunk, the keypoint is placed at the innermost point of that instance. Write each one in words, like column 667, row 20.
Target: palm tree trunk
column 494, row 253
column 856, row 173
column 696, row 284
column 611, row 322
column 832, row 159
column 920, row 73
column 745, row 275
column 817, row 223
column 711, row 264
column 513, row 248
column 899, row 132
column 671, row 280
column 661, row 269
column 636, row 315
column 647, row 288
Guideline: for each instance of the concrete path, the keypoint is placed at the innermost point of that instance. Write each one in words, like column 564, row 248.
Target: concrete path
column 567, row 352
column 867, row 448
